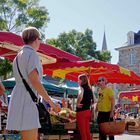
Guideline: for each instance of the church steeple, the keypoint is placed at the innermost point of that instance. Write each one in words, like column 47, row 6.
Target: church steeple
column 104, row 44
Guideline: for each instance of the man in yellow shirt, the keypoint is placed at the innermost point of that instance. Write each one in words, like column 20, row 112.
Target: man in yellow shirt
column 105, row 105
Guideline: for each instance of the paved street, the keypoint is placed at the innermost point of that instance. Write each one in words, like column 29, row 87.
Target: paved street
column 127, row 137
column 121, row 137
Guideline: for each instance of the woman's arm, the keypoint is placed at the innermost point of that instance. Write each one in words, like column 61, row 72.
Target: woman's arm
column 34, row 79
column 80, row 97
column 112, row 99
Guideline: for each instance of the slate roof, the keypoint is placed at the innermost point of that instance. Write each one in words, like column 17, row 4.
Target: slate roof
column 137, row 38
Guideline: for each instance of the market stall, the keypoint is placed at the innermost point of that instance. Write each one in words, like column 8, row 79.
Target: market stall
column 58, row 120
column 130, row 103
column 11, row 43
column 130, row 100
column 52, row 88
column 64, row 65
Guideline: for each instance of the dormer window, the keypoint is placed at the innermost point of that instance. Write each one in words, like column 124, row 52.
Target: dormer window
column 130, row 38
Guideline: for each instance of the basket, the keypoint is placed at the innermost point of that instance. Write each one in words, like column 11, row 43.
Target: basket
column 112, row 128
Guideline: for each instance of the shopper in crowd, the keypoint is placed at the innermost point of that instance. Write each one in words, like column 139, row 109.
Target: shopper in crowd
column 23, row 113
column 84, row 101
column 64, row 103
column 69, row 104
column 105, row 105
column 3, row 96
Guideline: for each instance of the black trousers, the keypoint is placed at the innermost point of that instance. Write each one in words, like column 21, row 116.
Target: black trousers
column 104, row 117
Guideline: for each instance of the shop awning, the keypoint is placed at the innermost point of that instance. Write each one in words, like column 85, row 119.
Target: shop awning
column 11, row 43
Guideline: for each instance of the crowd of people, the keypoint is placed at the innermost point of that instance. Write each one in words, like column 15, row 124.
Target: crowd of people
column 27, row 121
column 104, row 106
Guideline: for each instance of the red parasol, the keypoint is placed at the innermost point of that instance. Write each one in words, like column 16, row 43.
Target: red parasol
column 94, row 69
column 132, row 95
column 11, row 43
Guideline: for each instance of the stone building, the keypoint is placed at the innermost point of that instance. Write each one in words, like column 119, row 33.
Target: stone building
column 129, row 57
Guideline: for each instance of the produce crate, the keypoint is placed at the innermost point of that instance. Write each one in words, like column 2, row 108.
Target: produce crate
column 64, row 128
column 73, row 126
column 134, row 130
column 51, row 137
column 70, row 126
column 56, row 129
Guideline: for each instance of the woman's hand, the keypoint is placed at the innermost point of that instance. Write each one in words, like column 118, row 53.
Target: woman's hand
column 57, row 108
column 111, row 114
column 79, row 105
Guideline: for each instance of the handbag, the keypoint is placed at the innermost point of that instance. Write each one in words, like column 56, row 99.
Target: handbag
column 44, row 116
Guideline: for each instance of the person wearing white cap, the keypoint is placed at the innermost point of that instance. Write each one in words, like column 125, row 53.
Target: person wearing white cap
column 105, row 105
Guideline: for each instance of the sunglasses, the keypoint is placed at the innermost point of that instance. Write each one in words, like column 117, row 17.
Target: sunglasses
column 101, row 80
column 100, row 95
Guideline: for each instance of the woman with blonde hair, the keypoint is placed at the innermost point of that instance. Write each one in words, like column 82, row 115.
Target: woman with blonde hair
column 23, row 113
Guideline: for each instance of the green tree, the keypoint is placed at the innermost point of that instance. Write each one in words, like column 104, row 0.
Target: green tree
column 80, row 44
column 18, row 14
column 105, row 56
column 5, row 68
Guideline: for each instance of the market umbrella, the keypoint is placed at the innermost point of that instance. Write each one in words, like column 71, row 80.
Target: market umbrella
column 93, row 69
column 130, row 96
column 10, row 83
column 11, row 43
column 51, row 87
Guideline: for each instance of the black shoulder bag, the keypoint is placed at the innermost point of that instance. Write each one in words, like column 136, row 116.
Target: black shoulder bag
column 44, row 116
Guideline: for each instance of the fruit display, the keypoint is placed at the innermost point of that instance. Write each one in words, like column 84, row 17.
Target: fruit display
column 66, row 112
column 64, row 116
column 56, row 119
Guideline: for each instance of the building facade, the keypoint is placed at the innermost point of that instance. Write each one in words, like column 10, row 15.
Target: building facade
column 129, row 57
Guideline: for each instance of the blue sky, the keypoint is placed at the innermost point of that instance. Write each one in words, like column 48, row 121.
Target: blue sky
column 117, row 16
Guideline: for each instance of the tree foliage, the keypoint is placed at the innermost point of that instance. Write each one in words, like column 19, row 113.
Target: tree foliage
column 80, row 44
column 17, row 14
column 105, row 56
column 5, row 68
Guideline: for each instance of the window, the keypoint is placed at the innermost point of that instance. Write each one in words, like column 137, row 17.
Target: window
column 131, row 59
column 130, row 38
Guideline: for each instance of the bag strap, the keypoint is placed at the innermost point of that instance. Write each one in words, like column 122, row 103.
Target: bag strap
column 33, row 96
